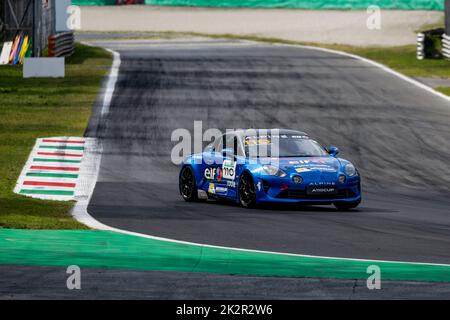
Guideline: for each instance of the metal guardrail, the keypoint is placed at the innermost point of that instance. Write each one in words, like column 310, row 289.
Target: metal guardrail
column 61, row 44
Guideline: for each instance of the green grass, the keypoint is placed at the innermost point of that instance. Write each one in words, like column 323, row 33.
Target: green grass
column 33, row 108
column 444, row 90
column 402, row 59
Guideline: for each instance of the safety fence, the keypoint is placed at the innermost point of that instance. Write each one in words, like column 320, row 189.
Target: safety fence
column 300, row 4
column 28, row 19
column 2, row 23
column 29, row 27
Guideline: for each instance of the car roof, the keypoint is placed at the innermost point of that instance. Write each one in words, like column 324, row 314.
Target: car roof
column 244, row 133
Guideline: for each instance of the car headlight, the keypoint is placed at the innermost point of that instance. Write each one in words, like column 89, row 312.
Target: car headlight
column 297, row 179
column 350, row 170
column 274, row 171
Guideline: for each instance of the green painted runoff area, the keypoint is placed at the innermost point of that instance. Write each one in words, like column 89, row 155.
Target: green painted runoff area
column 106, row 249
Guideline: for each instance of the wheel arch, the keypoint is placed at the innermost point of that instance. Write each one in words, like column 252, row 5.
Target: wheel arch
column 197, row 173
column 246, row 171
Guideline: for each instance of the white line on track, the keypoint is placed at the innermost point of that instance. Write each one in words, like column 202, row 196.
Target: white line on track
column 111, row 85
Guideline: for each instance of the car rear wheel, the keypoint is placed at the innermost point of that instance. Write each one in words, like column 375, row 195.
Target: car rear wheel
column 346, row 205
column 247, row 193
column 188, row 189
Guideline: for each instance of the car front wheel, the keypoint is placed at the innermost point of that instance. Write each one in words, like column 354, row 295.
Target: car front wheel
column 247, row 193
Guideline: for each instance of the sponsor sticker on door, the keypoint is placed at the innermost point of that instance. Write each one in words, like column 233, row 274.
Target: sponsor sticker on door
column 229, row 169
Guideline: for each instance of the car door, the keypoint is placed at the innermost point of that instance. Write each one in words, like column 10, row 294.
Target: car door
column 230, row 165
column 213, row 167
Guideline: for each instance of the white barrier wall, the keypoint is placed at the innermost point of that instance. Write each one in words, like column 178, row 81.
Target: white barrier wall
column 43, row 68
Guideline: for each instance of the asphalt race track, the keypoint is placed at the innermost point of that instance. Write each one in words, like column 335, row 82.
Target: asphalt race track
column 50, row 283
column 396, row 133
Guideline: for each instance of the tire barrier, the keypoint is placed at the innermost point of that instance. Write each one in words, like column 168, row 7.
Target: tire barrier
column 446, row 46
column 61, row 44
column 420, row 46
column 429, row 44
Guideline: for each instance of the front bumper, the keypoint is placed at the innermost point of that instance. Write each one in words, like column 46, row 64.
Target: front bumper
column 283, row 191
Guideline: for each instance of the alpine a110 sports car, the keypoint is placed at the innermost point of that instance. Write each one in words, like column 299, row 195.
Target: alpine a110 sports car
column 243, row 166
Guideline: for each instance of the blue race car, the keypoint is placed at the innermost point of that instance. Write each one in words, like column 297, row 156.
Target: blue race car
column 244, row 166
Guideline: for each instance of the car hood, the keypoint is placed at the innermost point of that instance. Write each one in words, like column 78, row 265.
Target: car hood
column 309, row 164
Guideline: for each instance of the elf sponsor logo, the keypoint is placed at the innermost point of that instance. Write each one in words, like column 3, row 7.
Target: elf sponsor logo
column 229, row 169
column 213, row 174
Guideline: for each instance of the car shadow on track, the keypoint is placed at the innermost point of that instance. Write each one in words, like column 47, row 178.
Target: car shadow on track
column 295, row 207
column 280, row 207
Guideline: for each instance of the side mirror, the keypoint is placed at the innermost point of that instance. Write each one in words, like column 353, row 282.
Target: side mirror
column 228, row 152
column 333, row 151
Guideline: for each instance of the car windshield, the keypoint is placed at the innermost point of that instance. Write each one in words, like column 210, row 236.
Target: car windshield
column 289, row 146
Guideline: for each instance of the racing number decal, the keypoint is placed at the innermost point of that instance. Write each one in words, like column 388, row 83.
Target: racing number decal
column 229, row 169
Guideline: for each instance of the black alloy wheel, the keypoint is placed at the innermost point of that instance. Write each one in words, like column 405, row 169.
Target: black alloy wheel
column 247, row 193
column 187, row 185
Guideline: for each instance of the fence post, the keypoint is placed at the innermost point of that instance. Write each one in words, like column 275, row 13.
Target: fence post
column 35, row 31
